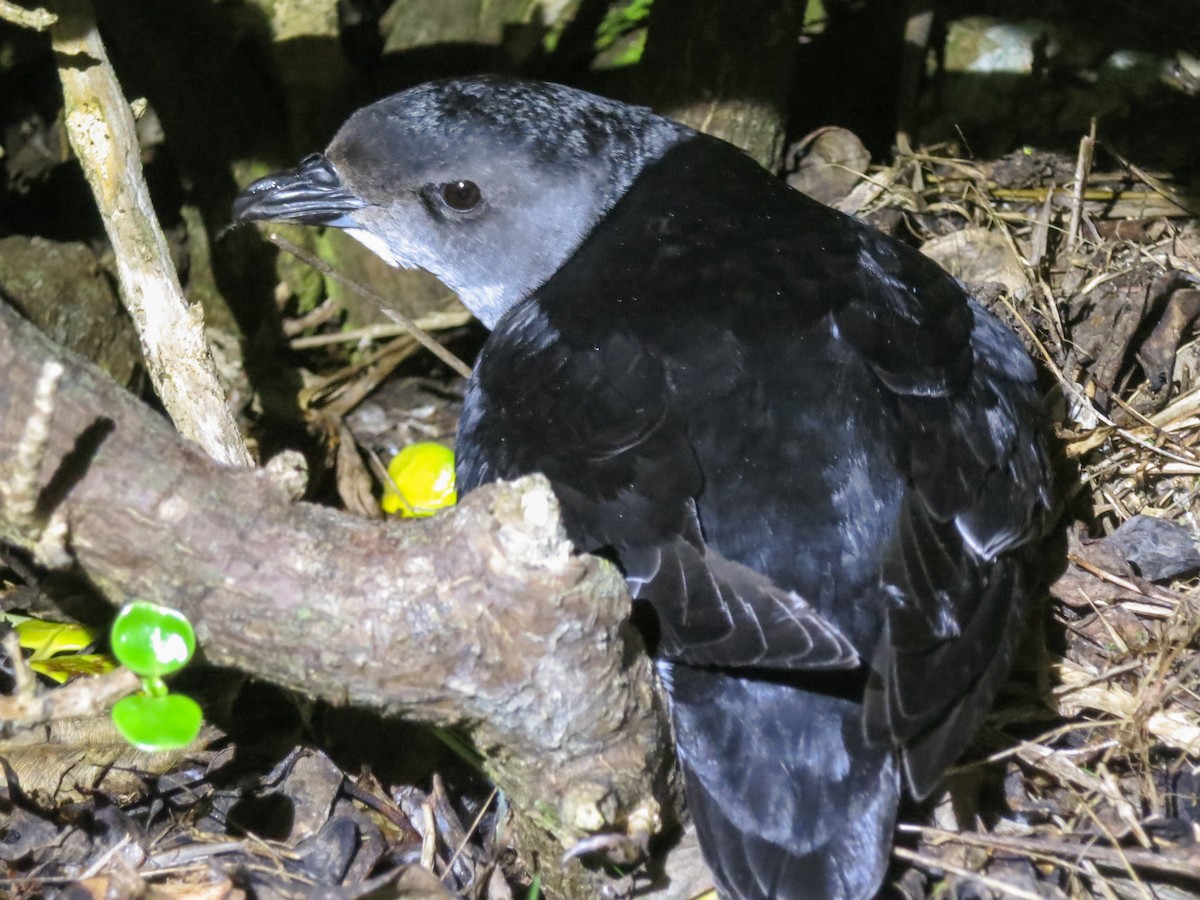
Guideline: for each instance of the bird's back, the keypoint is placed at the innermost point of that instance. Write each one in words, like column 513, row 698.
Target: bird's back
column 769, row 411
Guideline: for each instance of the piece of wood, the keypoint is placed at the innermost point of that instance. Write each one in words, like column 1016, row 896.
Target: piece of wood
column 726, row 69
column 102, row 133
column 481, row 617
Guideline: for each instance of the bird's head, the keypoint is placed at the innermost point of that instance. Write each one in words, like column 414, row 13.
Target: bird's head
column 488, row 183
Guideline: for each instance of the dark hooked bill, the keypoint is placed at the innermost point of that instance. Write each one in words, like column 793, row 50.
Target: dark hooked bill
column 312, row 194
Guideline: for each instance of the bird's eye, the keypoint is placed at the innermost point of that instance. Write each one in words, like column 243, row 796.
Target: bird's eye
column 460, row 196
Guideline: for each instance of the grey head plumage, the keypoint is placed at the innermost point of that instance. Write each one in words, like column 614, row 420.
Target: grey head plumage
column 488, row 183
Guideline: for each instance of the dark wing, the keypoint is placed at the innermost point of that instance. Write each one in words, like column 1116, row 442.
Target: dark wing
column 715, row 611
column 959, row 562
column 598, row 419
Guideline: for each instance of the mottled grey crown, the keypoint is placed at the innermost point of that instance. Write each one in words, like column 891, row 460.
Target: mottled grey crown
column 553, row 122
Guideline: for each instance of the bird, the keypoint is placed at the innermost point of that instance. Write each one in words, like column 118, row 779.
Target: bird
column 810, row 452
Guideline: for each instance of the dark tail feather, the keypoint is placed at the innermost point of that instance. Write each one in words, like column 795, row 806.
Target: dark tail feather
column 788, row 797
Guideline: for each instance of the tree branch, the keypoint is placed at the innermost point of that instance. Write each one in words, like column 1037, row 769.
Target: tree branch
column 101, row 129
column 482, row 617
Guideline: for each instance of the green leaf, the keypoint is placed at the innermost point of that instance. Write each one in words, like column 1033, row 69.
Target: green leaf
column 152, row 640
column 621, row 18
column 158, row 723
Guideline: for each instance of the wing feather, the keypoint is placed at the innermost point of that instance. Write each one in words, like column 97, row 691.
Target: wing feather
column 627, row 476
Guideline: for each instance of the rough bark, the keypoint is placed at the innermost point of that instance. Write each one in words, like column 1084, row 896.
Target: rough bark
column 481, row 617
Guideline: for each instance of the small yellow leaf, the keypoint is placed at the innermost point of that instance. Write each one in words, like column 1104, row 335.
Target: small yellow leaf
column 47, row 639
column 64, row 668
column 422, row 481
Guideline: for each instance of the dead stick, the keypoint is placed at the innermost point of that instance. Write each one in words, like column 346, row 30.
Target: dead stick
column 103, row 135
column 422, row 336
